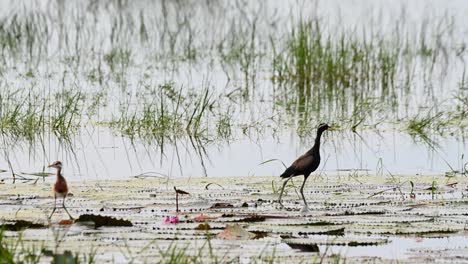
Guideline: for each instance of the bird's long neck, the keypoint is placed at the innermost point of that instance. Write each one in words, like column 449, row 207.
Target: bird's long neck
column 315, row 150
column 59, row 173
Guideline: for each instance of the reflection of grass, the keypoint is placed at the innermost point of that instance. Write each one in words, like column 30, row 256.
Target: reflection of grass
column 224, row 125
column 117, row 57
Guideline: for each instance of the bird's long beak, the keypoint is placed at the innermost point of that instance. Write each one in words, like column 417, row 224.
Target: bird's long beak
column 50, row 166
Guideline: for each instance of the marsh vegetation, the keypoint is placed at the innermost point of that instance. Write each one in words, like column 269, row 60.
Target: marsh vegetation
column 168, row 89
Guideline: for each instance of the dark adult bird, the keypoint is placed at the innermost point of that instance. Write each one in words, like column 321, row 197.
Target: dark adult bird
column 60, row 187
column 304, row 165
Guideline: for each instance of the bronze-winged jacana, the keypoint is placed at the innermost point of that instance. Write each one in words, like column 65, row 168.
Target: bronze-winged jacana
column 60, row 187
column 304, row 165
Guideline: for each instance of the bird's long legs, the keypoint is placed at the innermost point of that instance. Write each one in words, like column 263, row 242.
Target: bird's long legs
column 306, row 207
column 282, row 189
column 63, row 204
column 55, row 206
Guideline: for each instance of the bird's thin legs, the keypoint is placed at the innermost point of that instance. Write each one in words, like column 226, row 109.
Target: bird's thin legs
column 63, row 204
column 55, row 206
column 306, row 207
column 282, row 189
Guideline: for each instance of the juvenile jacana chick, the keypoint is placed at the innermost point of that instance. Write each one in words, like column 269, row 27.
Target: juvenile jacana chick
column 60, row 187
column 304, row 165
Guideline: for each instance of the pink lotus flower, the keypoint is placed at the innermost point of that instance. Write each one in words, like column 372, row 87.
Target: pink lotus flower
column 171, row 220
column 202, row 218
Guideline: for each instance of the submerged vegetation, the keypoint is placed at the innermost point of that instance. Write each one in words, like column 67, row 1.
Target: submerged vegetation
column 129, row 73
column 185, row 77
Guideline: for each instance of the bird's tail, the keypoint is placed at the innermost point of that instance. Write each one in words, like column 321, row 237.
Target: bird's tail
column 287, row 173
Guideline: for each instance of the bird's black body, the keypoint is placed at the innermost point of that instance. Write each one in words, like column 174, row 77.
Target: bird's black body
column 305, row 164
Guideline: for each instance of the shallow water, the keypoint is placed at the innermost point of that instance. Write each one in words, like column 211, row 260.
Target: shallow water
column 405, row 248
column 103, row 156
column 262, row 129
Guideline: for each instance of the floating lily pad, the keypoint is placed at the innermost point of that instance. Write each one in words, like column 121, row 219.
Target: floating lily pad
column 100, row 220
column 373, row 222
column 259, row 235
column 221, row 205
column 252, row 218
column 304, row 248
column 339, row 241
column 203, row 227
column 21, row 224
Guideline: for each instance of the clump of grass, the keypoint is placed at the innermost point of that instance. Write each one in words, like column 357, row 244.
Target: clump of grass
column 196, row 114
column 421, row 127
column 152, row 122
column 338, row 72
column 355, row 78
column 349, row 76
column 28, row 116
column 165, row 113
column 67, row 115
column 205, row 254
column 21, row 117
column 13, row 250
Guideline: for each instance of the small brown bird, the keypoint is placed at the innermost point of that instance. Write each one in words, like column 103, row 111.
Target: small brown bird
column 304, row 165
column 60, row 187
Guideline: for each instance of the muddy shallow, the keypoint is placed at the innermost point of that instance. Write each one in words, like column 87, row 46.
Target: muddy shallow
column 349, row 220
